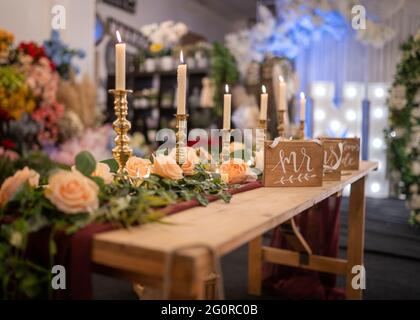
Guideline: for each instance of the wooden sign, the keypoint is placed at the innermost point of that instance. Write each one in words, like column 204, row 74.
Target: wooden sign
column 293, row 164
column 333, row 156
column 351, row 153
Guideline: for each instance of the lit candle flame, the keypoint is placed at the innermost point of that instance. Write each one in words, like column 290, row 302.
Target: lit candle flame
column 302, row 95
column 226, row 88
column 118, row 36
column 281, row 79
column 263, row 89
column 181, row 57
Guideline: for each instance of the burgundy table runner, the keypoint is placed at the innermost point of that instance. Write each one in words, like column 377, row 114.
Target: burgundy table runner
column 320, row 226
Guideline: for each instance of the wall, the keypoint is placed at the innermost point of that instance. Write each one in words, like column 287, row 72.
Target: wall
column 30, row 20
column 198, row 18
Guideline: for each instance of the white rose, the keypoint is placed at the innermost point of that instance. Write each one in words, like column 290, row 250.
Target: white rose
column 415, row 113
column 415, row 202
column 415, row 168
column 16, row 239
column 417, row 97
column 414, row 188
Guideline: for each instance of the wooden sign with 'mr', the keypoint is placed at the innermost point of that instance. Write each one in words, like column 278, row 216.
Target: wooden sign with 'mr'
column 289, row 163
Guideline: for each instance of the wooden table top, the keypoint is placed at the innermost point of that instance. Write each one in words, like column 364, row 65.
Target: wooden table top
column 224, row 227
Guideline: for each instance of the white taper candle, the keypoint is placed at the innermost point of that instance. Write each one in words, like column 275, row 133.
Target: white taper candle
column 227, row 100
column 263, row 103
column 182, row 86
column 119, row 63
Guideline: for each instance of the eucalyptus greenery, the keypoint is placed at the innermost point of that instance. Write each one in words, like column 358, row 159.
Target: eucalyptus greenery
column 123, row 202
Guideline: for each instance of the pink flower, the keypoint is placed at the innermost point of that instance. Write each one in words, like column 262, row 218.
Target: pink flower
column 8, row 154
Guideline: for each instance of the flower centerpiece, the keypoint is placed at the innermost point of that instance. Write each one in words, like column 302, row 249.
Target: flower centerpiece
column 162, row 39
column 40, row 195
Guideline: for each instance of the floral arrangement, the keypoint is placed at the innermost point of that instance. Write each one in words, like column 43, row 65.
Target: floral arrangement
column 403, row 135
column 61, row 55
column 30, row 75
column 6, row 41
column 164, row 36
column 96, row 140
column 37, row 194
column 15, row 95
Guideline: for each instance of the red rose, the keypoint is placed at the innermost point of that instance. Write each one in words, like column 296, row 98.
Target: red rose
column 8, row 144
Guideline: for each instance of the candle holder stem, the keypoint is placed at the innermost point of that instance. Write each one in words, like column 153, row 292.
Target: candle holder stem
column 181, row 138
column 302, row 129
column 122, row 151
column 281, row 128
column 225, row 155
column 261, row 134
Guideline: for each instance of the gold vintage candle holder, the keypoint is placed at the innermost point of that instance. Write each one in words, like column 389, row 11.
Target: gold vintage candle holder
column 181, row 138
column 122, row 126
column 302, row 129
column 225, row 155
column 281, row 127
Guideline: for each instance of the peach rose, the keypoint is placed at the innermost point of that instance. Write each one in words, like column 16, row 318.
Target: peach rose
column 103, row 171
column 137, row 167
column 12, row 184
column 166, row 167
column 191, row 160
column 235, row 169
column 72, row 192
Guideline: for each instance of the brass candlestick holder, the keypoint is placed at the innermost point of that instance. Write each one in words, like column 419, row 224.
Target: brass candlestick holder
column 181, row 138
column 281, row 127
column 302, row 129
column 121, row 125
column 225, row 155
column 261, row 133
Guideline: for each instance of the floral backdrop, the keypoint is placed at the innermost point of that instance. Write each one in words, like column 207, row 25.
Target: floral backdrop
column 403, row 135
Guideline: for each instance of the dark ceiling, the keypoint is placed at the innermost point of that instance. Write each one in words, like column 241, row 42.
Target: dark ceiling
column 232, row 9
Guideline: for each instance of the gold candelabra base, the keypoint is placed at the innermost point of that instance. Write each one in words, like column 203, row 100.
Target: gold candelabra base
column 281, row 127
column 181, row 138
column 122, row 126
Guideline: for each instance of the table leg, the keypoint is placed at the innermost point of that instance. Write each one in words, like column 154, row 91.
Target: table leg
column 356, row 236
column 255, row 266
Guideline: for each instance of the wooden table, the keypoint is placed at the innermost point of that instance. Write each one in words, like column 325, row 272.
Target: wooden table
column 154, row 253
